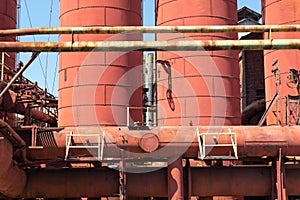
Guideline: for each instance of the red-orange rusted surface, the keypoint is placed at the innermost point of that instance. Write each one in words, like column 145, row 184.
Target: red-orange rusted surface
column 215, row 83
column 85, row 95
column 283, row 12
column 8, row 21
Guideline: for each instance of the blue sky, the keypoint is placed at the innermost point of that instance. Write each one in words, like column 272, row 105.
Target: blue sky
column 47, row 63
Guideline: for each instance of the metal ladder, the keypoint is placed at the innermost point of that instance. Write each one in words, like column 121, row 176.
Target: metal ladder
column 100, row 143
column 203, row 145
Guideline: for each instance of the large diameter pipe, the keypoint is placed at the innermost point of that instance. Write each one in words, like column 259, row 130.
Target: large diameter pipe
column 205, row 181
column 12, row 178
column 252, row 141
column 253, row 109
column 93, row 182
column 292, row 184
column 149, row 29
column 35, row 114
column 125, row 46
column 43, row 117
column 71, row 183
column 10, row 105
column 11, row 135
column 241, row 181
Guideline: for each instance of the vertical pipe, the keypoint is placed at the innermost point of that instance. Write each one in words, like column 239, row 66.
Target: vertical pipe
column 2, row 66
column 150, row 86
column 175, row 180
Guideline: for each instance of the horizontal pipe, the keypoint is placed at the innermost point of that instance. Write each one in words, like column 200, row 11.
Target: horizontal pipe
column 253, row 109
column 123, row 46
column 11, row 135
column 149, row 29
column 205, row 181
column 10, row 105
column 71, row 183
column 42, row 117
column 239, row 181
column 252, row 141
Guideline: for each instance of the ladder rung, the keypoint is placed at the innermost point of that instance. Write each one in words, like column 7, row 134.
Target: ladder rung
column 220, row 157
column 218, row 145
column 83, row 147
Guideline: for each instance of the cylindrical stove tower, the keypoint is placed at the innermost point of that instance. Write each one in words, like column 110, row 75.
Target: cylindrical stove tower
column 198, row 88
column 8, row 21
column 97, row 88
column 280, row 13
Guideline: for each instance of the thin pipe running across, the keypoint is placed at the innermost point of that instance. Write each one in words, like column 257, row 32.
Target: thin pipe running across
column 149, row 29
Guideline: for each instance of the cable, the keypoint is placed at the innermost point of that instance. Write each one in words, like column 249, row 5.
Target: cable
column 55, row 72
column 40, row 62
column 47, row 55
column 18, row 26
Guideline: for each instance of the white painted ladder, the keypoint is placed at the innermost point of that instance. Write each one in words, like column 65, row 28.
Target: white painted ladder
column 99, row 145
column 204, row 146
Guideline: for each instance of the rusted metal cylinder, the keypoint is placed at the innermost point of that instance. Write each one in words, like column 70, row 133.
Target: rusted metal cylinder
column 205, row 182
column 8, row 21
column 251, row 142
column 149, row 29
column 12, row 178
column 10, row 105
column 113, row 46
column 71, row 183
column 96, row 88
column 217, row 182
column 283, row 12
column 198, row 88
column 293, row 176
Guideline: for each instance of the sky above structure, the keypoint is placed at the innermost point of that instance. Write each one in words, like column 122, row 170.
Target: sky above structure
column 33, row 13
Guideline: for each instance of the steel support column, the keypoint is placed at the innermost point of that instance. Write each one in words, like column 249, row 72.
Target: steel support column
column 175, row 180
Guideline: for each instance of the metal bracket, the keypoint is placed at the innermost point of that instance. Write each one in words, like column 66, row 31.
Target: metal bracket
column 100, row 138
column 203, row 145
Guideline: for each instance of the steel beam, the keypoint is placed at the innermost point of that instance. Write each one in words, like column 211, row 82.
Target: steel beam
column 175, row 180
column 124, row 46
column 149, row 29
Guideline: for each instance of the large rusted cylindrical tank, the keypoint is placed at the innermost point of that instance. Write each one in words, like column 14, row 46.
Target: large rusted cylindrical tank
column 280, row 12
column 8, row 21
column 198, row 88
column 94, row 87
